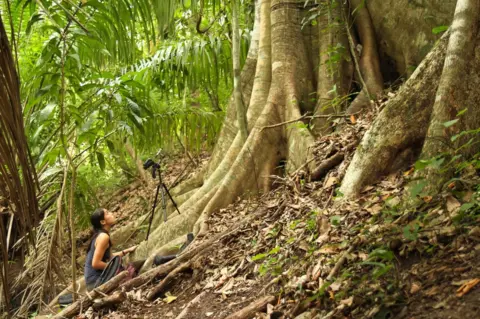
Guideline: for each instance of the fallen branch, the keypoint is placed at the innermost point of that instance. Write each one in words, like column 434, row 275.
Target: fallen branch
column 161, row 286
column 85, row 302
column 339, row 263
column 166, row 268
column 327, row 165
column 185, row 312
column 115, row 299
column 250, row 310
column 331, row 162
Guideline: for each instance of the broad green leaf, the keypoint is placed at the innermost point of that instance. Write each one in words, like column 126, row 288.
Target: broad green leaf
column 410, row 232
column 417, row 188
column 460, row 113
column 259, row 257
column 335, row 220
column 33, row 19
column 101, row 161
column 440, row 29
column 46, row 112
column 466, row 206
column 450, row 123
column 274, row 250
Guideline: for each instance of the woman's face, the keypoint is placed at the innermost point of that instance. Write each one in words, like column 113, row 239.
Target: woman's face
column 109, row 218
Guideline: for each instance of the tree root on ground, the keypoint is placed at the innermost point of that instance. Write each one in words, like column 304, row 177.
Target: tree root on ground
column 158, row 289
column 186, row 311
column 88, row 300
column 331, row 162
column 108, row 301
column 252, row 308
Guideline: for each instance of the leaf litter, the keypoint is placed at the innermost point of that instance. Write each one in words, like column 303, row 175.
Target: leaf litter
column 323, row 257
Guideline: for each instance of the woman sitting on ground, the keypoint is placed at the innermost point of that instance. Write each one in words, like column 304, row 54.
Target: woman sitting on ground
column 99, row 249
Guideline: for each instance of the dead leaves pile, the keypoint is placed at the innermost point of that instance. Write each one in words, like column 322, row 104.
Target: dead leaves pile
column 335, row 259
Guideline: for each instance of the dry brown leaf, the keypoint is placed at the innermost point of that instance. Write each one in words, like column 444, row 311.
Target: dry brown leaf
column 465, row 288
column 415, row 288
column 330, row 182
column 375, row 209
column 353, row 119
column 335, row 286
column 348, row 302
column 367, row 189
column 453, row 205
column 328, row 250
column 410, row 171
column 427, row 199
column 432, row 291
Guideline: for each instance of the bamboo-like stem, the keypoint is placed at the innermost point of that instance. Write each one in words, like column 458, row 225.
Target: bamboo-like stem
column 237, row 93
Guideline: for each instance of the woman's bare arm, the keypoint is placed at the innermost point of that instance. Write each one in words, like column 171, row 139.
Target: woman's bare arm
column 125, row 251
column 101, row 245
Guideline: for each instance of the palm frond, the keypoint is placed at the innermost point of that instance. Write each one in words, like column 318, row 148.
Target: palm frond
column 42, row 266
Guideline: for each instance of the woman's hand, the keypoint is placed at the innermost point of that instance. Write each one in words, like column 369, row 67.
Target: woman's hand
column 129, row 250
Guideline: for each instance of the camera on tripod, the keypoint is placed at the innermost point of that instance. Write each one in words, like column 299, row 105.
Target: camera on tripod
column 161, row 188
column 149, row 163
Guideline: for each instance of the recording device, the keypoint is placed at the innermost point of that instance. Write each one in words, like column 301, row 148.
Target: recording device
column 149, row 163
column 160, row 186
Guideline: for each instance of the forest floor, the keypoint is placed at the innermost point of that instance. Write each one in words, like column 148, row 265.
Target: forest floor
column 301, row 251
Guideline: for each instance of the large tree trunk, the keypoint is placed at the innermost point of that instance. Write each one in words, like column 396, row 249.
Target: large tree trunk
column 399, row 128
column 440, row 87
column 335, row 64
column 457, row 90
column 370, row 75
column 283, row 81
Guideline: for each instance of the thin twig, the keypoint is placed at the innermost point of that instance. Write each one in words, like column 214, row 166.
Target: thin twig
column 355, row 58
column 305, row 116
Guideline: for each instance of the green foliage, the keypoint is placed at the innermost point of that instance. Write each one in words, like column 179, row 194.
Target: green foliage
column 440, row 29
column 272, row 262
column 381, row 260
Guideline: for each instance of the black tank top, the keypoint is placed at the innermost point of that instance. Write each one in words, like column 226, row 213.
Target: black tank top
column 91, row 274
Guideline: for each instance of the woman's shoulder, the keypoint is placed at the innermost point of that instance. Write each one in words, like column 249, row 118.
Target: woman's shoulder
column 103, row 238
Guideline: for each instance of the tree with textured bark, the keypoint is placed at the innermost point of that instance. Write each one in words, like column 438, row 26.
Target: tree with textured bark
column 424, row 116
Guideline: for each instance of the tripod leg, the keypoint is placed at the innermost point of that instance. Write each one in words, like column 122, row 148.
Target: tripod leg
column 153, row 210
column 171, row 198
column 164, row 206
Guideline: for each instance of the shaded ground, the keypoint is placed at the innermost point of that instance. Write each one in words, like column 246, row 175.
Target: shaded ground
column 326, row 258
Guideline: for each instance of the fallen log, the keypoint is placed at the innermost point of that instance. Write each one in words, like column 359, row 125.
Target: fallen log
column 250, row 310
column 161, row 286
column 166, row 268
column 87, row 301
column 115, row 299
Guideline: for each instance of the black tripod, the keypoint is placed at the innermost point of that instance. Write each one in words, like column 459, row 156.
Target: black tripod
column 160, row 186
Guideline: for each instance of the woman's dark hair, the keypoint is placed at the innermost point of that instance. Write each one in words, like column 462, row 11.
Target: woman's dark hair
column 97, row 216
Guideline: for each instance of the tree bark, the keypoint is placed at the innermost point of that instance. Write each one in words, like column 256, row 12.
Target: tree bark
column 369, row 59
column 115, row 299
column 250, row 310
column 335, row 65
column 453, row 95
column 400, row 126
